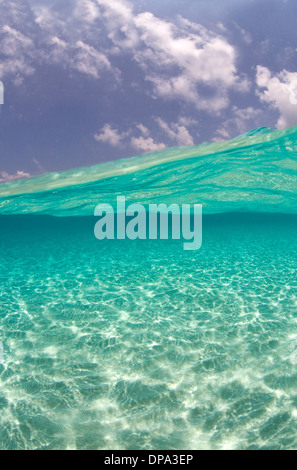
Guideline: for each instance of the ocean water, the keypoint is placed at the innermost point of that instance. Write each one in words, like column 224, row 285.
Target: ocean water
column 122, row 344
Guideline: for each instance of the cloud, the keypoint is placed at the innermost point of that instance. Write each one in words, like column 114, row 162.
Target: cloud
column 179, row 59
column 79, row 56
column 242, row 120
column 17, row 51
column 143, row 143
column 38, row 164
column 144, row 130
column 110, row 136
column 176, row 131
column 276, row 90
column 51, row 37
column 118, row 17
column 18, row 175
column 87, row 10
column 117, row 10
column 146, row 144
column 246, row 36
column 13, row 40
column 203, row 57
column 88, row 60
column 182, row 60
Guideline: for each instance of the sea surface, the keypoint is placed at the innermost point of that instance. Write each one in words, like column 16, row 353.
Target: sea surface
column 138, row 344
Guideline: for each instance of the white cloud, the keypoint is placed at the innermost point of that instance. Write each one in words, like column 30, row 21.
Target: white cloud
column 179, row 59
column 59, row 39
column 119, row 18
column 38, row 164
column 176, row 131
column 144, row 130
column 146, row 144
column 87, row 10
column 179, row 87
column 143, row 143
column 18, row 51
column 48, row 19
column 110, row 136
column 79, row 56
column 18, row 175
column 119, row 10
column 246, row 36
column 13, row 40
column 275, row 90
column 242, row 120
column 88, row 60
column 203, row 59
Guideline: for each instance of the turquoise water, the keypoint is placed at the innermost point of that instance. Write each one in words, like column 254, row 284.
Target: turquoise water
column 139, row 344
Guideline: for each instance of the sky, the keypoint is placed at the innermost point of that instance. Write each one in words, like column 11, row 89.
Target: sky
column 89, row 81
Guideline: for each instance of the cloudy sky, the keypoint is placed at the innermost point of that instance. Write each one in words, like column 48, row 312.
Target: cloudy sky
column 87, row 81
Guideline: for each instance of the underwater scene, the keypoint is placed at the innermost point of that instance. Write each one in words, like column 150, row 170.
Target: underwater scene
column 139, row 344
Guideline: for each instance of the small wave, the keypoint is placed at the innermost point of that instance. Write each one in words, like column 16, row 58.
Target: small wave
column 255, row 172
